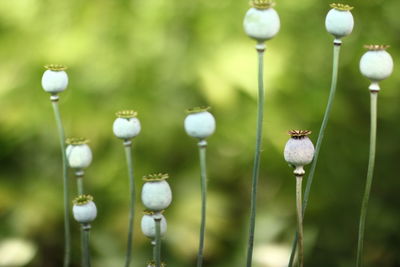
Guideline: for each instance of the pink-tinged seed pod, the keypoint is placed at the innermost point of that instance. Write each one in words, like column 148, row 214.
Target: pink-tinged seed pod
column 376, row 64
column 339, row 21
column 299, row 150
column 84, row 209
column 55, row 79
column 261, row 22
column 79, row 154
column 126, row 126
column 199, row 123
column 156, row 192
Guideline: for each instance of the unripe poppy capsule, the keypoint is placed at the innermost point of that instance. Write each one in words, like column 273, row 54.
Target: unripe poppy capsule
column 148, row 224
column 339, row 21
column 126, row 126
column 376, row 64
column 199, row 123
column 55, row 79
column 84, row 209
column 79, row 154
column 156, row 192
column 261, row 22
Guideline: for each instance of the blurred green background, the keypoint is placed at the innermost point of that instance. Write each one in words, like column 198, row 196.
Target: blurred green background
column 160, row 57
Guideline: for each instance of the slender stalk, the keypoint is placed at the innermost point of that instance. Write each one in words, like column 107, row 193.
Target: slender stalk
column 79, row 182
column 157, row 251
column 370, row 174
column 67, row 231
column 256, row 165
column 299, row 180
column 153, row 243
column 128, row 155
column 336, row 52
column 86, row 253
column 202, row 155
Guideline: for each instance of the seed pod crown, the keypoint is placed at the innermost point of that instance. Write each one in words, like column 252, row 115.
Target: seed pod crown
column 155, row 177
column 126, row 114
column 82, row 200
column 55, row 67
column 262, row 4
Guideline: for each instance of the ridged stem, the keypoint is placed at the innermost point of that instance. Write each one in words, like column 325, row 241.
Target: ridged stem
column 370, row 174
column 256, row 165
column 300, row 241
column 157, row 251
column 67, row 231
column 336, row 52
column 128, row 155
column 86, row 253
column 203, row 181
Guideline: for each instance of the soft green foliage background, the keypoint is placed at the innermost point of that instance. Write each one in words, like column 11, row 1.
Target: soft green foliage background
column 160, row 57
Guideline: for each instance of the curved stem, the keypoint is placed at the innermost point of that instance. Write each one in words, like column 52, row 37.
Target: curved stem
column 256, row 166
column 336, row 52
column 128, row 155
column 370, row 174
column 202, row 155
column 67, row 231
column 86, row 253
column 299, row 180
column 157, row 250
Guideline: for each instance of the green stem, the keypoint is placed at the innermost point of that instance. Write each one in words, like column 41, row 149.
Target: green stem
column 128, row 155
column 157, row 250
column 202, row 155
column 299, row 180
column 256, row 165
column 86, row 254
column 336, row 52
column 79, row 182
column 153, row 243
column 370, row 173
column 67, row 231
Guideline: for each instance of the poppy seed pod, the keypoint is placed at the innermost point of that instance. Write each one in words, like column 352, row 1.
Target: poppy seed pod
column 299, row 150
column 339, row 21
column 126, row 126
column 199, row 123
column 78, row 153
column 261, row 22
column 148, row 224
column 54, row 79
column 156, row 193
column 84, row 209
column 376, row 64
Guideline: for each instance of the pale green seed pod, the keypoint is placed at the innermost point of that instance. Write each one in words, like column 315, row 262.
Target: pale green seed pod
column 84, row 209
column 156, row 192
column 261, row 22
column 55, row 79
column 126, row 126
column 376, row 64
column 148, row 224
column 199, row 123
column 339, row 21
column 79, row 154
